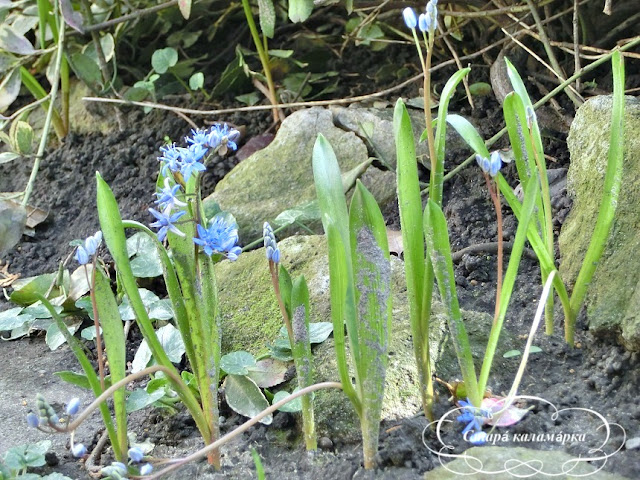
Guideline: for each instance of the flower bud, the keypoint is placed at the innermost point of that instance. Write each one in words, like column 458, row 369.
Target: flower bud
column 146, row 469
column 410, row 18
column 136, row 454
column 73, row 406
column 78, row 450
column 33, row 420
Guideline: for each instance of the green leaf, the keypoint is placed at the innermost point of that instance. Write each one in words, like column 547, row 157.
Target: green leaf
column 535, row 349
column 300, row 10
column 237, row 363
column 80, row 380
column 22, row 137
column 307, row 212
column 185, row 8
column 480, row 89
column 163, row 59
column 267, row 14
column 268, row 372
column 156, row 308
column 12, row 318
column 146, row 259
column 172, row 345
column 319, row 331
column 196, row 81
column 87, row 69
column 25, row 456
column 13, row 218
column 293, row 406
column 469, row 133
column 140, row 398
column 512, row 353
column 234, row 77
column 244, row 397
column 108, row 48
column 6, row 157
column 14, row 42
column 55, row 337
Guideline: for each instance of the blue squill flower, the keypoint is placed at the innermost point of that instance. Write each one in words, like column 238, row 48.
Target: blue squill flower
column 167, row 196
column 270, row 245
column 221, row 238
column 424, row 22
column 32, row 420
column 146, row 469
column 73, row 406
column 474, row 418
column 491, row 166
column 165, row 222
column 192, row 160
column 78, row 450
column 410, row 18
column 198, row 137
column 136, row 454
column 223, row 136
column 89, row 248
column 171, row 157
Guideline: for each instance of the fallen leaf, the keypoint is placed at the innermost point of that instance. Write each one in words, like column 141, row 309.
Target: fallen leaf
column 510, row 416
column 13, row 218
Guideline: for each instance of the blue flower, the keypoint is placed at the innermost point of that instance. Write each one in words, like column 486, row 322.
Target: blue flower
column 270, row 245
column 32, row 420
column 410, row 19
column 167, row 196
column 191, row 160
column 146, row 469
column 73, row 406
column 221, row 237
column 172, row 158
column 136, row 454
column 474, row 418
column 85, row 251
column 78, row 450
column 223, row 136
column 166, row 222
column 424, row 22
column 199, row 137
column 491, row 166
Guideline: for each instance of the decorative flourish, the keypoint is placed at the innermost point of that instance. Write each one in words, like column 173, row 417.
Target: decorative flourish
column 221, row 237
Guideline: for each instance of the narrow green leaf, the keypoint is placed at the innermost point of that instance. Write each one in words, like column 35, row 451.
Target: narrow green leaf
column 437, row 235
column 469, row 133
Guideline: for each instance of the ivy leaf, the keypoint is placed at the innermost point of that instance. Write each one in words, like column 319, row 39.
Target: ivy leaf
column 13, row 42
column 268, row 372
column 140, row 399
column 196, row 82
column 237, row 363
column 25, row 456
column 293, row 406
column 146, row 262
column 164, row 58
column 171, row 341
column 244, row 397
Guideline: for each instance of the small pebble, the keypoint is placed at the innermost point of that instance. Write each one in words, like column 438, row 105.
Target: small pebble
column 325, row 443
column 632, row 443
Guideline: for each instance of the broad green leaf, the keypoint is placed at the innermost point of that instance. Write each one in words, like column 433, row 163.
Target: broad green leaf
column 293, row 406
column 480, row 89
column 244, row 397
column 163, row 59
column 302, row 213
column 71, row 17
column 80, row 380
column 267, row 14
column 10, row 88
column 13, row 218
column 196, row 81
column 13, row 318
column 300, row 10
column 234, row 77
column 87, row 69
column 268, row 372
column 319, row 331
column 6, row 157
column 22, row 135
column 25, row 456
column 108, row 48
column 156, row 308
column 55, row 337
column 511, row 354
column 185, row 8
column 172, row 345
column 140, row 398
column 12, row 41
column 237, row 363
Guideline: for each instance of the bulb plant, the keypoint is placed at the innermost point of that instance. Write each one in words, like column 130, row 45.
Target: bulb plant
column 293, row 300
column 360, row 289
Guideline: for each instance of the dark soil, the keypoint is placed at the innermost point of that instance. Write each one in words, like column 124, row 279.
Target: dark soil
column 597, row 374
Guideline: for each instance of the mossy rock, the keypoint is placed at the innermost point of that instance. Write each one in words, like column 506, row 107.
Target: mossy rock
column 613, row 298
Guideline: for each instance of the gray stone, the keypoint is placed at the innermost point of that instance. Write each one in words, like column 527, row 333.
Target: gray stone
column 613, row 299
column 498, row 459
column 251, row 320
column 632, row 443
column 280, row 177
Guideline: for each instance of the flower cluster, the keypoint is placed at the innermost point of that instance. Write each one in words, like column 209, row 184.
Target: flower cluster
column 491, row 166
column 220, row 238
column 88, row 248
column 270, row 245
column 474, row 418
column 426, row 22
column 137, row 455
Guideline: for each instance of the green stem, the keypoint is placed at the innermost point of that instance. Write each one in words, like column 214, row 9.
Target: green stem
column 34, row 87
column 264, row 57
